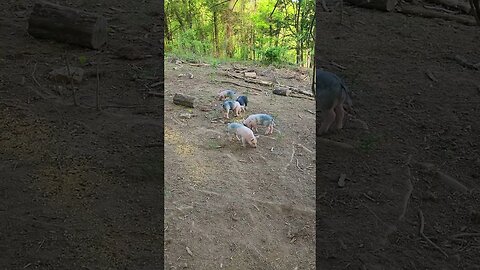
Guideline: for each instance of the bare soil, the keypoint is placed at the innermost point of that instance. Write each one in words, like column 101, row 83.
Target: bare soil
column 386, row 57
column 233, row 207
column 81, row 189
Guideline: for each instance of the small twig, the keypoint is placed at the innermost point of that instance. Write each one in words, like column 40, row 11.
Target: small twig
column 422, row 226
column 291, row 157
column 368, row 197
column 430, row 76
column 299, row 166
column 373, row 213
column 156, row 84
column 306, row 149
column 33, row 75
column 98, row 89
column 41, row 244
column 406, row 199
column 338, row 65
column 310, row 112
column 71, row 81
column 465, row 235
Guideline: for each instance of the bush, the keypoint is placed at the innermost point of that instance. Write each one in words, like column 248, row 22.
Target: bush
column 186, row 43
column 274, row 54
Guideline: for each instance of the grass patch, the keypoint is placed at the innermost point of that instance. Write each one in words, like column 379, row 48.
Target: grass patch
column 214, row 144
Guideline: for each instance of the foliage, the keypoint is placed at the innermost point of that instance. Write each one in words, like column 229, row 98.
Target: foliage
column 271, row 31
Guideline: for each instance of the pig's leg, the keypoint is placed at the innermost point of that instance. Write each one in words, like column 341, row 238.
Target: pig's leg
column 329, row 118
column 340, row 113
column 243, row 142
column 227, row 112
column 267, row 130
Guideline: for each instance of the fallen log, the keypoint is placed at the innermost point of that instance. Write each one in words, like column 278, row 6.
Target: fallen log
column 282, row 92
column 184, row 100
column 409, row 10
column 384, row 5
column 456, row 4
column 293, row 89
column 69, row 25
column 241, row 85
column 264, row 83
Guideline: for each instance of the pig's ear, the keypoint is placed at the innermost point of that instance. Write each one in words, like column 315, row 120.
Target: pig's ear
column 258, row 136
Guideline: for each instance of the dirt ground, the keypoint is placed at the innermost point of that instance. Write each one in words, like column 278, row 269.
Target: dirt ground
column 233, row 207
column 81, row 189
column 386, row 57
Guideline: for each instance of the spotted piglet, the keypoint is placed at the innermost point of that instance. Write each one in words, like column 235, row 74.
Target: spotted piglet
column 230, row 105
column 260, row 119
column 226, row 94
column 232, row 129
column 243, row 100
column 331, row 94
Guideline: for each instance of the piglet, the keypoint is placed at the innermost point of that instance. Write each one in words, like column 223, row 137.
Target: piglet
column 231, row 105
column 260, row 119
column 232, row 129
column 246, row 135
column 332, row 95
column 226, row 94
column 243, row 100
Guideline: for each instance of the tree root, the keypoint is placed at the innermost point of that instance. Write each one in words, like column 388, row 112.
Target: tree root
column 422, row 226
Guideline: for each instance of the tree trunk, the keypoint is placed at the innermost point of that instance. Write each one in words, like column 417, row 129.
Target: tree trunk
column 215, row 33
column 69, row 25
column 384, row 5
column 297, row 34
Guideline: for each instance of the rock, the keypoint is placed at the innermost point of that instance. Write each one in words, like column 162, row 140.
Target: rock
column 61, row 74
column 341, row 180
